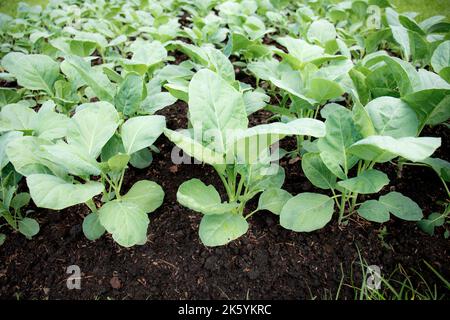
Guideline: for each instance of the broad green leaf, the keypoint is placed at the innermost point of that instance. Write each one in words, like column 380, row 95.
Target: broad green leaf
column 434, row 220
column 362, row 121
column 51, row 192
column 323, row 90
column 370, row 181
column 28, row 227
column 401, row 206
column 141, row 132
column 340, row 134
column 307, row 212
column 50, row 124
column 148, row 195
column 215, row 106
column 141, row 159
column 317, row 172
column 197, row 196
column 404, row 73
column 28, row 157
column 20, row 200
column 218, row 230
column 321, row 31
column 126, row 221
column 5, row 139
column 95, row 123
column 385, row 148
column 374, row 210
column 92, row 227
column 300, row 49
column 8, row 96
column 273, row 200
column 95, row 79
column 18, row 117
column 220, row 64
column 33, row 71
column 2, row 238
column 72, row 158
column 392, row 117
column 254, row 101
column 432, row 106
column 441, row 56
column 129, row 95
column 194, row 148
column 156, row 102
column 248, row 144
column 118, row 162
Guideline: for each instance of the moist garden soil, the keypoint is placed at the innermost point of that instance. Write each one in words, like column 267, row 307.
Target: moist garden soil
column 268, row 262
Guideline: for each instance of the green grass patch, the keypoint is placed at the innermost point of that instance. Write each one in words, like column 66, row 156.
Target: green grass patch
column 10, row 6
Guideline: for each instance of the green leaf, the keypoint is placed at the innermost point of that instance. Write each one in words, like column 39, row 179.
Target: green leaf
column 5, row 139
column 118, row 162
column 385, row 148
column 434, row 220
column 146, row 53
column 51, row 192
column 18, row 117
column 28, row 227
column 321, row 31
column 20, row 200
column 317, row 172
column 218, row 230
column 141, row 132
column 126, row 221
column 273, row 200
column 8, row 96
column 374, row 210
column 392, row 117
column 197, row 196
column 247, row 145
column 148, row 195
column 307, row 212
column 323, row 90
column 73, row 159
column 129, row 95
column 156, row 102
column 28, row 157
column 33, row 71
column 2, row 238
column 220, row 64
column 215, row 105
column 141, row 159
column 95, row 123
column 370, row 181
column 362, row 121
column 95, row 79
column 92, row 227
column 432, row 106
column 401, row 206
column 194, row 148
column 340, row 134
column 441, row 57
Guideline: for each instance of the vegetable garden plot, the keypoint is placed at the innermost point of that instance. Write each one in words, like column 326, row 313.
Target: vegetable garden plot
column 200, row 137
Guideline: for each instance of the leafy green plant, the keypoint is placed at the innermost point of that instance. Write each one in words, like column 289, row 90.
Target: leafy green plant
column 240, row 155
column 59, row 156
column 12, row 202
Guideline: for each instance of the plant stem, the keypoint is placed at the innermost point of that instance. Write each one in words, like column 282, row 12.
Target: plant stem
column 91, row 205
column 342, row 207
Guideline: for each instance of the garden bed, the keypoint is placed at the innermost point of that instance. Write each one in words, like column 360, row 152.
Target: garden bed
column 269, row 262
column 365, row 119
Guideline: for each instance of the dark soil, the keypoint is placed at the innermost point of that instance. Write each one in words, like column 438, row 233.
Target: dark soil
column 268, row 262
